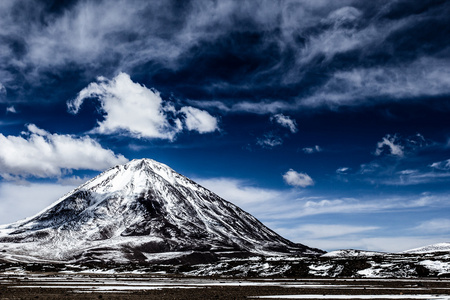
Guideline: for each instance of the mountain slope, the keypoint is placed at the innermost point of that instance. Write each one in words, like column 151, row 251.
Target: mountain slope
column 140, row 211
column 440, row 247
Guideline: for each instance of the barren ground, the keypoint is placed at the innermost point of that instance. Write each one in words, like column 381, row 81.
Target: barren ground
column 39, row 285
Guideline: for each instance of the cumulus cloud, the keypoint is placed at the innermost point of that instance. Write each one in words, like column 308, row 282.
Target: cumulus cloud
column 295, row 178
column 199, row 120
column 390, row 145
column 128, row 106
column 39, row 153
column 133, row 109
column 285, row 121
column 311, row 150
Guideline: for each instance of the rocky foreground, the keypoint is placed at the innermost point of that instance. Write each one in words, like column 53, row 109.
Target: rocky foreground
column 345, row 263
column 42, row 285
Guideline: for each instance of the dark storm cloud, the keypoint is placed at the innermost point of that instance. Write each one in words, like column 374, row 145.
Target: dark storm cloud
column 269, row 57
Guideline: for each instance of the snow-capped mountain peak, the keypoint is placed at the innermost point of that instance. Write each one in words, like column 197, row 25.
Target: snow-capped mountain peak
column 133, row 176
column 138, row 209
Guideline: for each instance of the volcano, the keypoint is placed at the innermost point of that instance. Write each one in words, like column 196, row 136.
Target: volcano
column 142, row 211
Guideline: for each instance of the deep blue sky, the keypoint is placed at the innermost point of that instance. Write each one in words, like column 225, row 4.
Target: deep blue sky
column 327, row 120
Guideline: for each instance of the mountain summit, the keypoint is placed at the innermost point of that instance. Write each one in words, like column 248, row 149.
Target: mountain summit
column 142, row 211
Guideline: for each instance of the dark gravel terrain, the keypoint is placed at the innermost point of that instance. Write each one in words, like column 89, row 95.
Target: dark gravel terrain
column 41, row 285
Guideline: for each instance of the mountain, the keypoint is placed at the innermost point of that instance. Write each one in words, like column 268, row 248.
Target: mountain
column 440, row 247
column 142, row 211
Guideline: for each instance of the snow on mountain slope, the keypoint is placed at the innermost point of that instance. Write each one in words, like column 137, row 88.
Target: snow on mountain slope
column 440, row 247
column 135, row 212
column 349, row 253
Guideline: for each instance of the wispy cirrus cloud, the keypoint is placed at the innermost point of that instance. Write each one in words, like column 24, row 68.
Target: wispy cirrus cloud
column 318, row 231
column 294, row 215
column 434, row 226
column 311, row 53
column 441, row 165
column 425, row 77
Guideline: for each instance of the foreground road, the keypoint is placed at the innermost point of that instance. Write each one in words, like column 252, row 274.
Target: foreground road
column 143, row 286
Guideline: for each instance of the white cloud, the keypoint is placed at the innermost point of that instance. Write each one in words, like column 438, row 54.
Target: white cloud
column 77, row 36
column 339, row 37
column 407, row 152
column 426, row 76
column 263, row 203
column 389, row 144
column 413, row 177
column 133, row 109
column 129, row 107
column 343, row 170
column 2, row 89
column 240, row 192
column 337, row 236
column 310, row 206
column 269, row 140
column 434, row 226
column 19, row 202
column 42, row 154
column 294, row 178
column 441, row 165
column 285, row 121
column 318, row 231
column 11, row 109
column 73, row 180
column 199, row 120
column 311, row 150
column 283, row 210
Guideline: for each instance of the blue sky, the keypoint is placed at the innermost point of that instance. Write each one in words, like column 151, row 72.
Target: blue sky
column 327, row 120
